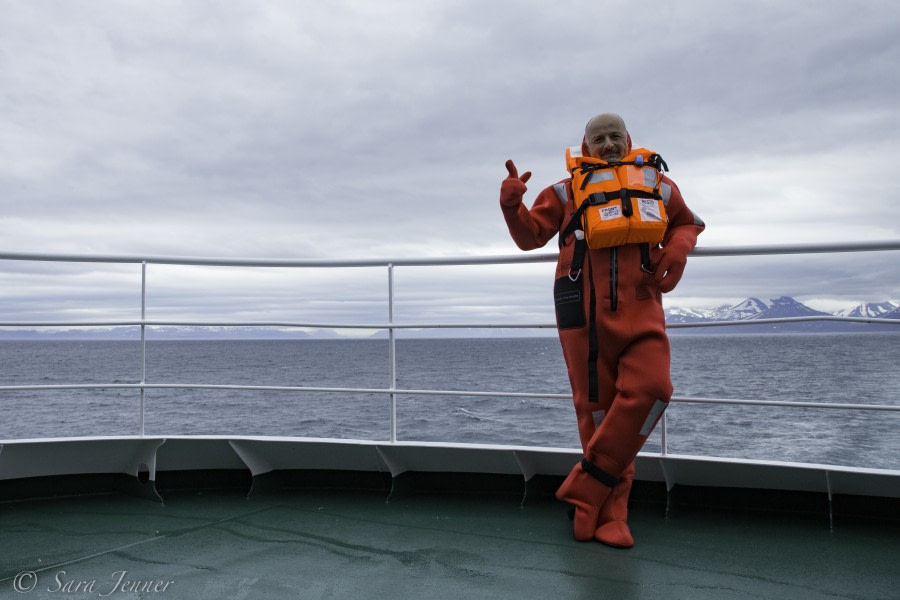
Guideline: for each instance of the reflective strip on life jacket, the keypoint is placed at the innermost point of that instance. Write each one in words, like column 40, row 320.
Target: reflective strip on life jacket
column 560, row 189
column 573, row 152
column 598, row 176
column 624, row 199
column 665, row 190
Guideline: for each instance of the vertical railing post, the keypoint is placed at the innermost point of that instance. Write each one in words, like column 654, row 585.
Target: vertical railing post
column 663, row 443
column 393, row 353
column 143, row 338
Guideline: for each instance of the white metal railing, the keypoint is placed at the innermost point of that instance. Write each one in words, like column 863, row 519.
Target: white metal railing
column 391, row 327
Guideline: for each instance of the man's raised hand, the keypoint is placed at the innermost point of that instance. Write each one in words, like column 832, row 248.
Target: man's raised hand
column 513, row 187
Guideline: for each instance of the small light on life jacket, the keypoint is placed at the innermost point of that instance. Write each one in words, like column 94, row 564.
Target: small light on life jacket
column 638, row 160
column 579, row 234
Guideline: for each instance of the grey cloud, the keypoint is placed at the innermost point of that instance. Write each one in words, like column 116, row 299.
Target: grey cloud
column 358, row 130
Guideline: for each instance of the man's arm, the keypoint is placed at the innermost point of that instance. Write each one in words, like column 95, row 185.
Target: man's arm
column 533, row 228
column 680, row 239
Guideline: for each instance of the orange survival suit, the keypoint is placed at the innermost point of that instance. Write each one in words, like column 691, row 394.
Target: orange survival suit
column 612, row 330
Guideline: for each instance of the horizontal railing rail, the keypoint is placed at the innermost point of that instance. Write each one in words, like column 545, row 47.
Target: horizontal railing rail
column 771, row 249
column 380, row 325
column 423, row 392
column 391, row 326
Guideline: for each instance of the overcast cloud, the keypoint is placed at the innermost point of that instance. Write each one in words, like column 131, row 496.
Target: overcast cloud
column 357, row 129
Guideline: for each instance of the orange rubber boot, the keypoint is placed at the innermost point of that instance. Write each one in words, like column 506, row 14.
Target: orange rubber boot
column 612, row 528
column 586, row 493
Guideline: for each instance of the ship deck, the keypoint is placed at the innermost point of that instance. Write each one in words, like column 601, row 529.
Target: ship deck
column 361, row 544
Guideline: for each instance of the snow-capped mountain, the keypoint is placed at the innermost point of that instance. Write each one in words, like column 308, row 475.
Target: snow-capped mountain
column 894, row 314
column 785, row 306
column 870, row 310
column 684, row 315
column 750, row 308
column 753, row 309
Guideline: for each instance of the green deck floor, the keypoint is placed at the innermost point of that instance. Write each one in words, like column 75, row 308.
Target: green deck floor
column 312, row 545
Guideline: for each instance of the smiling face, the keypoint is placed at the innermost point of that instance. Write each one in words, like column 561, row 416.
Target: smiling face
column 606, row 137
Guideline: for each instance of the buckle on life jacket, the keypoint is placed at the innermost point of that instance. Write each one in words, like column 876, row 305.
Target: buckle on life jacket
column 627, row 208
column 597, row 198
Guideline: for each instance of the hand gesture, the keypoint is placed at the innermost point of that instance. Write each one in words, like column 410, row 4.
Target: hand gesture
column 669, row 262
column 513, row 187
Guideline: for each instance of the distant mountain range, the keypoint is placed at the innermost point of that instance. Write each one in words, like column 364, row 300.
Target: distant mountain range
column 754, row 309
column 751, row 309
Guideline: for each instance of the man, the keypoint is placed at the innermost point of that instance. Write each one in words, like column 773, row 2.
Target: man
column 625, row 233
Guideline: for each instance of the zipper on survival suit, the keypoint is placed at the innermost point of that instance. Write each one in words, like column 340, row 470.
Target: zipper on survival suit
column 593, row 340
column 613, row 278
column 614, row 272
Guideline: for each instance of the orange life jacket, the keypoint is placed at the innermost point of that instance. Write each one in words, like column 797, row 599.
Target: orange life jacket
column 618, row 202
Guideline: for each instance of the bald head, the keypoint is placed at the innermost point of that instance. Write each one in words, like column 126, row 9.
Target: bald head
column 606, row 137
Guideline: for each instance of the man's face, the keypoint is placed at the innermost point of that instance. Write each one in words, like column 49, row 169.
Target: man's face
column 606, row 138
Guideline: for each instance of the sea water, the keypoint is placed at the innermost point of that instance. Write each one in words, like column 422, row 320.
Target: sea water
column 831, row 368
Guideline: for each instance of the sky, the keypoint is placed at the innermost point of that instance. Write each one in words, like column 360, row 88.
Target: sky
column 360, row 130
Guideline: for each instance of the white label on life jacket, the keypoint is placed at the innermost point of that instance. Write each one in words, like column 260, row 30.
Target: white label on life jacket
column 611, row 212
column 649, row 209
